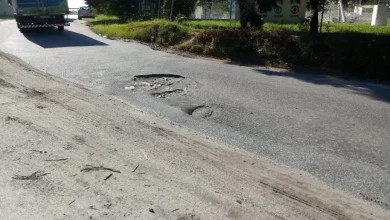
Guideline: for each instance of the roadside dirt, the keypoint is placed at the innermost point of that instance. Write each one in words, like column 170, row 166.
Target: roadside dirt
column 68, row 153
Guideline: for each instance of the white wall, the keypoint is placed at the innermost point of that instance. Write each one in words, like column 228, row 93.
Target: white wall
column 291, row 11
column 5, row 9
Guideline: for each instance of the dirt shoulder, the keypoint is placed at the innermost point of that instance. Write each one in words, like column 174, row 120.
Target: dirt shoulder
column 95, row 157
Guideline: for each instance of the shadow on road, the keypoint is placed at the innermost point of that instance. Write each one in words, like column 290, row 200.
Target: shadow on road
column 374, row 91
column 52, row 38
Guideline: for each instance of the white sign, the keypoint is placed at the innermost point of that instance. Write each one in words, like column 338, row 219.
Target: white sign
column 291, row 11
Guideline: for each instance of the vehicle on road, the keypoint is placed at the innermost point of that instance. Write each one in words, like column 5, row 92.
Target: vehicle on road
column 38, row 14
column 85, row 12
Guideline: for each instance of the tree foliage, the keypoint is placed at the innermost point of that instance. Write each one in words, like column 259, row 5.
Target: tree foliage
column 121, row 8
column 220, row 5
column 185, row 7
column 138, row 8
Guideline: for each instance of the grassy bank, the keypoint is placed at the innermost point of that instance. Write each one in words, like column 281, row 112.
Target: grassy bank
column 217, row 24
column 6, row 17
column 360, row 50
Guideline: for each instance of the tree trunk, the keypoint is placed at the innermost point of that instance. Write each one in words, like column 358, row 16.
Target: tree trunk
column 171, row 16
column 314, row 19
column 241, row 6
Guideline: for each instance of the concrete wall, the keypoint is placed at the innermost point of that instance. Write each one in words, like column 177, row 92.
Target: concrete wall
column 5, row 9
column 290, row 11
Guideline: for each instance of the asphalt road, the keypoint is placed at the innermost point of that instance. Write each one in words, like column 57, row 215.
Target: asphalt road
column 339, row 131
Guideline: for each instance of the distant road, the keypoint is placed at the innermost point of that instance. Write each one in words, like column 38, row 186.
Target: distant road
column 339, row 131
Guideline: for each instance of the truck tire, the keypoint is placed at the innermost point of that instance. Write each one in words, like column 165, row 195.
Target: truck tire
column 61, row 28
column 80, row 18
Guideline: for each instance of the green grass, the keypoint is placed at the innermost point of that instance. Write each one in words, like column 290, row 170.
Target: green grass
column 197, row 25
column 333, row 28
column 204, row 24
column 356, row 28
column 6, row 17
column 133, row 30
column 274, row 46
column 160, row 31
column 104, row 18
column 281, row 27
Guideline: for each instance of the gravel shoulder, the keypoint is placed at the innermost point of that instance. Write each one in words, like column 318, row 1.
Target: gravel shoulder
column 68, row 153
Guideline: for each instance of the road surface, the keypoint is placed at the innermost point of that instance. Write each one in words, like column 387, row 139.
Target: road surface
column 339, row 131
column 70, row 153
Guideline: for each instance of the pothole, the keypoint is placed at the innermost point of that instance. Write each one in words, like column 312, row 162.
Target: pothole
column 157, row 76
column 168, row 93
column 162, row 85
column 202, row 111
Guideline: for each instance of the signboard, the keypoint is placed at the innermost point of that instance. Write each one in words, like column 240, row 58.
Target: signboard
column 288, row 12
column 294, row 9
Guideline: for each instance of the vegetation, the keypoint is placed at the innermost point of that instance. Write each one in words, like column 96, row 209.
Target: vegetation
column 206, row 24
column 172, row 8
column 250, row 10
column 198, row 25
column 140, row 9
column 358, row 49
column 161, row 32
column 6, row 17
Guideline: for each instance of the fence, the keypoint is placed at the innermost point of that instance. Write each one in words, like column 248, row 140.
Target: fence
column 353, row 13
column 292, row 11
column 214, row 11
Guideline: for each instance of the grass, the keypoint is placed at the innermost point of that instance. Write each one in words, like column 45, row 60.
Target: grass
column 4, row 17
column 196, row 25
column 160, row 31
column 348, row 52
column 205, row 24
column 134, row 30
column 333, row 28
column 356, row 28
column 104, row 18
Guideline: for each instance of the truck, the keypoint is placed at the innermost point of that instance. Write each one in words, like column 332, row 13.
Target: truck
column 40, row 13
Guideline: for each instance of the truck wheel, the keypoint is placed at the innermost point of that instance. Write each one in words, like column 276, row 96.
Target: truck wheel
column 61, row 28
column 80, row 18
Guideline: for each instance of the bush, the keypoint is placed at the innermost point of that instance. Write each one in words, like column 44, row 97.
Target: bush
column 170, row 34
column 360, row 55
column 157, row 31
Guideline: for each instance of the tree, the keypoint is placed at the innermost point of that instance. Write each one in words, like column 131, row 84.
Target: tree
column 127, row 8
column 315, row 5
column 175, row 7
column 121, row 8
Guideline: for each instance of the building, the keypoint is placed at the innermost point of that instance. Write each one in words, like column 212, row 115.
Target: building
column 289, row 11
column 5, row 8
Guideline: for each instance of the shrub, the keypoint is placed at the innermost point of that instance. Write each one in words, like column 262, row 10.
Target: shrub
column 360, row 55
column 170, row 34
